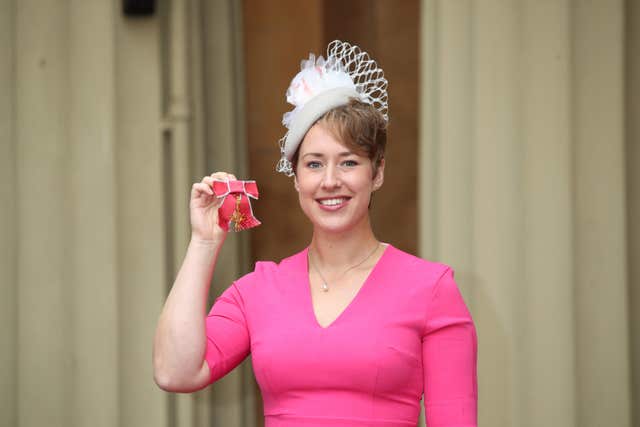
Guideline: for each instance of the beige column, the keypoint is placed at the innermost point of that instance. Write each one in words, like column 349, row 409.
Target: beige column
column 632, row 96
column 469, row 183
column 544, row 308
column 8, row 234
column 600, row 240
column 495, row 185
column 90, row 220
column 522, row 192
column 141, row 210
column 98, row 147
column 44, row 266
column 92, row 229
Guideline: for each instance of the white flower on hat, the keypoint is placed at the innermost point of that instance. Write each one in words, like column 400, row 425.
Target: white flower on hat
column 313, row 79
column 322, row 85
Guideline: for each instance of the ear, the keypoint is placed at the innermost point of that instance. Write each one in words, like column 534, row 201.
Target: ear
column 378, row 180
column 295, row 183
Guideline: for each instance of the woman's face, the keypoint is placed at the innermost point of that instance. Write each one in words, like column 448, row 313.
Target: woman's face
column 334, row 184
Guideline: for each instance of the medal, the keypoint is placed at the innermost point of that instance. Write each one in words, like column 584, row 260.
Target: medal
column 236, row 204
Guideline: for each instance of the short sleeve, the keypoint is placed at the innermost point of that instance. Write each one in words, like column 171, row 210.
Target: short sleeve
column 449, row 354
column 228, row 341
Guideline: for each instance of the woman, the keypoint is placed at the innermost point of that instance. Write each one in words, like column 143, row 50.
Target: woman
column 350, row 331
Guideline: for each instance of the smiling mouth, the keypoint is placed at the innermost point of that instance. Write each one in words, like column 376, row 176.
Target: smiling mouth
column 333, row 202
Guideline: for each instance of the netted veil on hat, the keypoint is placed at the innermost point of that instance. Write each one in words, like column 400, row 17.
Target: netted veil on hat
column 322, row 85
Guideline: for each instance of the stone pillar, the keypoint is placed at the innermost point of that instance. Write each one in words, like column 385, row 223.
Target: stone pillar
column 44, row 265
column 522, row 192
column 599, row 209
column 87, row 226
column 632, row 97
column 142, row 209
column 8, row 218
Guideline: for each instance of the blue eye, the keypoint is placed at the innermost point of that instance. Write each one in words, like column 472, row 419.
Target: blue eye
column 313, row 164
column 350, row 163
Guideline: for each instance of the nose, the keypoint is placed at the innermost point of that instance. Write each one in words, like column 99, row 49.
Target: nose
column 331, row 178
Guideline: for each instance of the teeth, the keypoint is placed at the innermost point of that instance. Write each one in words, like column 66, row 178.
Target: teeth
column 331, row 202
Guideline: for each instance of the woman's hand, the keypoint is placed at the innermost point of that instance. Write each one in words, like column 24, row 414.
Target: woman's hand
column 204, row 210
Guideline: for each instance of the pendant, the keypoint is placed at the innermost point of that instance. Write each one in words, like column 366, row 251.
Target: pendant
column 325, row 288
column 237, row 217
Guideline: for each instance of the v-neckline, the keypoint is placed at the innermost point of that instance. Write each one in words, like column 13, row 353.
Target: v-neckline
column 364, row 285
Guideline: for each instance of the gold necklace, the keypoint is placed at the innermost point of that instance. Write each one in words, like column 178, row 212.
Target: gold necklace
column 325, row 286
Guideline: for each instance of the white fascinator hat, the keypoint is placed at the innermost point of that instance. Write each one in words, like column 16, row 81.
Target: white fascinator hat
column 325, row 84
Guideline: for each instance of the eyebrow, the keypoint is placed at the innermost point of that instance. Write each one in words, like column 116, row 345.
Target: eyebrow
column 343, row 154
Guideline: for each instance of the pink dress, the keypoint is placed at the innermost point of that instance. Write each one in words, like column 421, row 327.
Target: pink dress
column 406, row 332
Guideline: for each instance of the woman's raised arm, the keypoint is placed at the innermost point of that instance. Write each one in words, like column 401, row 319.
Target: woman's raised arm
column 180, row 340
